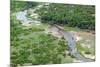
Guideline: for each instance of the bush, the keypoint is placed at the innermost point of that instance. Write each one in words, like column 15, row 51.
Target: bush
column 41, row 49
column 87, row 52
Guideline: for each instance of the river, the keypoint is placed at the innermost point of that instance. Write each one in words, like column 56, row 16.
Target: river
column 22, row 16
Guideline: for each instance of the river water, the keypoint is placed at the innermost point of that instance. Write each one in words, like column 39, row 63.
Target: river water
column 22, row 16
column 71, row 39
column 72, row 47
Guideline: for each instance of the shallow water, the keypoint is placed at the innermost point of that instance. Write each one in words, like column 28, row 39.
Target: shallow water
column 22, row 16
column 71, row 39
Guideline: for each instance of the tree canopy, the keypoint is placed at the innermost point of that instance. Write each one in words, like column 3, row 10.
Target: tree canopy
column 81, row 16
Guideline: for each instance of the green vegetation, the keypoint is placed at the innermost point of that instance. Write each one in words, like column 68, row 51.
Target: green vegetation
column 84, row 50
column 67, row 59
column 38, row 49
column 74, row 15
column 30, row 45
column 21, row 5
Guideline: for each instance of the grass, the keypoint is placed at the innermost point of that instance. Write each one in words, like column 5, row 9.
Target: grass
column 67, row 59
column 84, row 49
column 68, row 28
column 40, row 27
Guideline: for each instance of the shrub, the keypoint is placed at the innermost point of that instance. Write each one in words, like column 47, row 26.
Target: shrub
column 41, row 49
